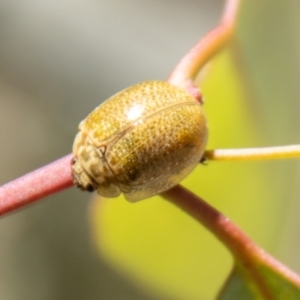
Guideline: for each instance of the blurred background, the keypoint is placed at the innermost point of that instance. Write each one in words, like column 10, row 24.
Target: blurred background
column 58, row 61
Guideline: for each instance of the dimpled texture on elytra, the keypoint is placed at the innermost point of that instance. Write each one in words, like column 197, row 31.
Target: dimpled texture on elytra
column 149, row 136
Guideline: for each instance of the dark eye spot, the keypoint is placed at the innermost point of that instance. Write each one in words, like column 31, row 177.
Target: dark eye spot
column 90, row 188
column 73, row 160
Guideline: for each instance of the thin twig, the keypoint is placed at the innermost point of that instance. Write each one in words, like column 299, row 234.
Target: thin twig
column 36, row 185
column 247, row 254
column 57, row 175
column 206, row 48
column 279, row 152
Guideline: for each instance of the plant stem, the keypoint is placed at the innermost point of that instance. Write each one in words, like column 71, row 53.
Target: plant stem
column 247, row 254
column 212, row 219
column 57, row 175
column 36, row 185
column 279, row 152
column 190, row 65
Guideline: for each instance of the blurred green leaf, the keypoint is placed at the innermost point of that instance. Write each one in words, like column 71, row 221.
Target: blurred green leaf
column 239, row 286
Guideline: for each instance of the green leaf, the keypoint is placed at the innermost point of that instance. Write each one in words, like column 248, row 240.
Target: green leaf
column 236, row 287
column 276, row 285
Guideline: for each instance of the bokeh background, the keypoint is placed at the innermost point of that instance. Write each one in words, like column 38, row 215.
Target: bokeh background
column 60, row 59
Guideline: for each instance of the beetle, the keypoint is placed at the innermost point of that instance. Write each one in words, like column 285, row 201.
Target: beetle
column 140, row 142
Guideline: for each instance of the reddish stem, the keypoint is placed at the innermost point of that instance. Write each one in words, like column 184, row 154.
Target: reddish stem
column 206, row 48
column 36, row 185
column 247, row 254
column 57, row 176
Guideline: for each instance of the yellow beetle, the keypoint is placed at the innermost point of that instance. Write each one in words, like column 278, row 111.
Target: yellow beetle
column 140, row 142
